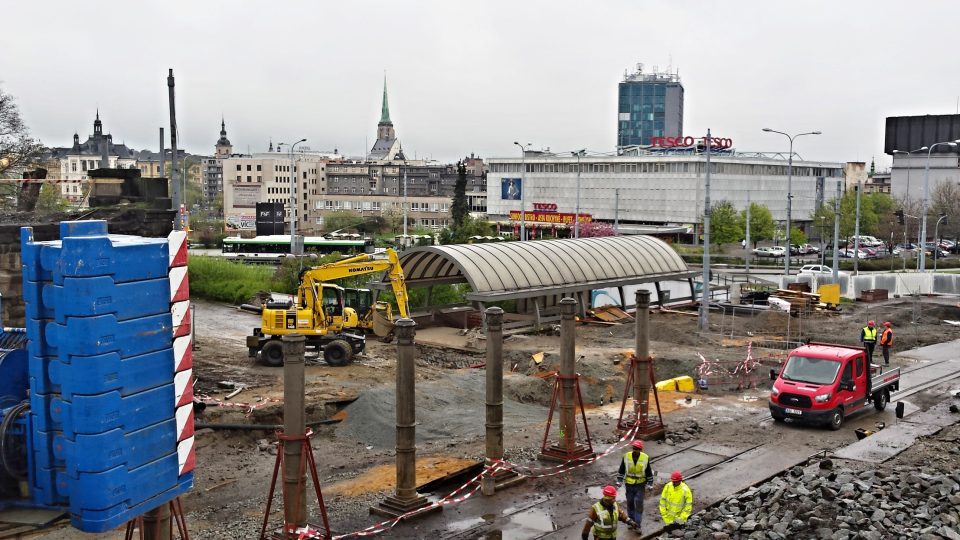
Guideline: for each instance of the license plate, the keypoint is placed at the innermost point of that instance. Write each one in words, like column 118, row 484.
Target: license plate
column 797, row 412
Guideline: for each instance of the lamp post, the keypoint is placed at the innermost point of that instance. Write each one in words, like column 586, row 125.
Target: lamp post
column 576, row 218
column 523, row 189
column 936, row 243
column 926, row 200
column 295, row 249
column 786, row 259
column 907, row 152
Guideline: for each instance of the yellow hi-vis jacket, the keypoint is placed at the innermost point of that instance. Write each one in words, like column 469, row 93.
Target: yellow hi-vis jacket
column 635, row 473
column 676, row 503
column 869, row 335
column 605, row 527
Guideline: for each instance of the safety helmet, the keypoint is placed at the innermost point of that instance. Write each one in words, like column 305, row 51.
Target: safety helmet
column 871, row 324
column 886, row 323
column 609, row 491
column 638, row 444
column 676, row 476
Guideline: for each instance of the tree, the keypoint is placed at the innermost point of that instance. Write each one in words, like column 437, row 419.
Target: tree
column 945, row 199
column 17, row 149
column 797, row 236
column 341, row 219
column 460, row 209
column 50, row 201
column 725, row 225
column 470, row 227
column 762, row 225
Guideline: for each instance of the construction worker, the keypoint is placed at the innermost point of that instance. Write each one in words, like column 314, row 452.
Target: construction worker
column 604, row 515
column 635, row 471
column 676, row 501
column 886, row 341
column 868, row 337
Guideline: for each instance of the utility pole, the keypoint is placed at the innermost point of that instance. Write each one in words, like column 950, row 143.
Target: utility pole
column 836, row 235
column 175, row 195
column 616, row 212
column 162, row 156
column 746, row 256
column 856, row 237
column 405, row 203
column 705, row 296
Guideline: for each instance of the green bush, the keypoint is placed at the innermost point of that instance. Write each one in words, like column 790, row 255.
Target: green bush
column 216, row 278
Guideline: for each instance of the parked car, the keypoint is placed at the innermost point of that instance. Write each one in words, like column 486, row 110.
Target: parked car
column 848, row 253
column 772, row 251
column 807, row 249
column 820, row 269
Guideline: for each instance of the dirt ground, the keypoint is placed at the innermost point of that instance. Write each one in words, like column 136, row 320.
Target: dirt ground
column 356, row 455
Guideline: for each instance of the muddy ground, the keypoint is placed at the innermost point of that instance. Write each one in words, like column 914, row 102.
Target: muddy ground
column 355, row 455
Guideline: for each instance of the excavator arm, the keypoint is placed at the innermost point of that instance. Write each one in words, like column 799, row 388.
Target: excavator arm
column 356, row 266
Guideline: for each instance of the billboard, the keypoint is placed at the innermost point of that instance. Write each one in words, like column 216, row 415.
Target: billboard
column 238, row 220
column 270, row 218
column 556, row 218
column 246, row 196
column 511, row 189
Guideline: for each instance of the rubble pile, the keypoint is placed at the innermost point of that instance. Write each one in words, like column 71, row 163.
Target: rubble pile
column 837, row 504
column 682, row 433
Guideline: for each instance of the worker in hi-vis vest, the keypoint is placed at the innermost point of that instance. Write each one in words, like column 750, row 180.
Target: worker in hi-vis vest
column 676, row 501
column 868, row 336
column 635, row 472
column 603, row 517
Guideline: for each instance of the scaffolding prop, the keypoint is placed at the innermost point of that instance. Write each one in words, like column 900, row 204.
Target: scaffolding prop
column 290, row 529
column 647, row 427
column 568, row 448
column 176, row 512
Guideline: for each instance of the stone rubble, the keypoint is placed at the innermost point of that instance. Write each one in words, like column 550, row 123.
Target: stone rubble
column 836, row 503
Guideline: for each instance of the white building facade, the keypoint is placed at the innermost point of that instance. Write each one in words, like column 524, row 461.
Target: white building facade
column 654, row 189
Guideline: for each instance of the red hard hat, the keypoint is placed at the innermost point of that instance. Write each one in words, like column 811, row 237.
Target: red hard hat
column 676, row 476
column 638, row 444
column 871, row 323
column 886, row 323
column 609, row 491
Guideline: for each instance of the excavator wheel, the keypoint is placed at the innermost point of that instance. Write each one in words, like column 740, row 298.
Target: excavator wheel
column 337, row 353
column 271, row 353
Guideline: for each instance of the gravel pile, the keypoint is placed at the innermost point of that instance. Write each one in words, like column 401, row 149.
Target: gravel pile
column 837, row 504
column 682, row 433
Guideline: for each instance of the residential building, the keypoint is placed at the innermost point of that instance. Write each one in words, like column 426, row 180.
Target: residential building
column 649, row 105
column 76, row 160
column 854, row 172
column 651, row 191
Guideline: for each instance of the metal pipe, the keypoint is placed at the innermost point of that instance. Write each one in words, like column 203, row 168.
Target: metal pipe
column 162, row 156
column 294, row 425
column 746, row 256
column 175, row 195
column 836, row 235
column 568, row 343
column 641, row 374
column 494, row 318
column 406, row 330
column 704, row 319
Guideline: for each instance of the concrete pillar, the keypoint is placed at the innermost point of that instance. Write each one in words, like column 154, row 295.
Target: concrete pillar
column 294, row 425
column 406, row 498
column 494, row 317
column 641, row 373
column 568, row 342
column 156, row 523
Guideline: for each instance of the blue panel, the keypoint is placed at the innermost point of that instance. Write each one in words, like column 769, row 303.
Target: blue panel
column 126, row 258
column 42, row 409
column 120, row 485
column 33, row 300
column 103, row 451
column 97, row 521
column 108, row 372
column 14, row 367
column 91, row 336
column 103, row 412
column 39, row 343
column 85, row 297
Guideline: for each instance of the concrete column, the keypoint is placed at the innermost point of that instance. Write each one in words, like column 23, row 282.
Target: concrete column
column 568, row 342
column 156, row 523
column 294, row 425
column 406, row 411
column 641, row 373
column 494, row 316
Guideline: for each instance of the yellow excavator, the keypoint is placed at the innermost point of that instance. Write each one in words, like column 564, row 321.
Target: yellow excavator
column 325, row 313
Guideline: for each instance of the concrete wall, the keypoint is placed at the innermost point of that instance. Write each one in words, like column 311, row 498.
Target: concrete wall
column 900, row 283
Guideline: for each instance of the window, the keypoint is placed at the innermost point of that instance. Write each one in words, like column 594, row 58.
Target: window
column 73, row 167
column 249, row 179
column 238, row 166
column 859, row 362
column 847, row 372
column 259, row 178
column 259, row 167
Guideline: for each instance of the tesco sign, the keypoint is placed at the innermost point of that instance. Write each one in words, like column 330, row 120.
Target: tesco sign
column 673, row 142
column 545, row 207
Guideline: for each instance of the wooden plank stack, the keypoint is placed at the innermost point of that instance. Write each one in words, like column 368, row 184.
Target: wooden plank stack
column 801, row 303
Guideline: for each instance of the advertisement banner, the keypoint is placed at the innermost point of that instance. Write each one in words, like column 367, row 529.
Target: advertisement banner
column 246, row 196
column 237, row 221
column 549, row 217
column 511, row 189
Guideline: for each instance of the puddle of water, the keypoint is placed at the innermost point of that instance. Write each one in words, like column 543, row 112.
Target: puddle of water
column 523, row 525
column 488, row 517
column 749, row 399
column 465, row 524
column 685, row 403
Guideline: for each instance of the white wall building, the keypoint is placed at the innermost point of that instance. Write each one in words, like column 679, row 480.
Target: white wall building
column 909, row 171
column 655, row 189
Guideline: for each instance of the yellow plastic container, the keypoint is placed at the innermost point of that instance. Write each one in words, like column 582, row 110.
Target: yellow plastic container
column 677, row 384
column 830, row 294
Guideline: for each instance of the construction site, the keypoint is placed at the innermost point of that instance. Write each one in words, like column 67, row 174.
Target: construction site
column 501, row 417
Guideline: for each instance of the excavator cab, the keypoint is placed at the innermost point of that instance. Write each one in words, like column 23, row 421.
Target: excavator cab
column 361, row 300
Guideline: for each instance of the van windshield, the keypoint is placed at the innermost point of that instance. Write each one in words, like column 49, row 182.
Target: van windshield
column 811, row 370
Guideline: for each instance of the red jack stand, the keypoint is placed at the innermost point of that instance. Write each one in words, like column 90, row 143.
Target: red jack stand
column 567, row 449
column 306, row 460
column 176, row 513
column 647, row 428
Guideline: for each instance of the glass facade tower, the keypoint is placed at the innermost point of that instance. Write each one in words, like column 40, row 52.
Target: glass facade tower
column 649, row 105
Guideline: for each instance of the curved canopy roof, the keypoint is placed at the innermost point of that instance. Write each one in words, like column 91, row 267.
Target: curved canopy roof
column 505, row 270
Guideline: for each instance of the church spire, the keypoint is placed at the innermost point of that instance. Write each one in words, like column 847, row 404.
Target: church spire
column 385, row 109
column 97, row 125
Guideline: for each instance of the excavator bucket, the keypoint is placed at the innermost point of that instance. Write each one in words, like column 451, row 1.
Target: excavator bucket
column 382, row 326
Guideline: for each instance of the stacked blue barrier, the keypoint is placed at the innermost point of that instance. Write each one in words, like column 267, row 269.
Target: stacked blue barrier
column 102, row 368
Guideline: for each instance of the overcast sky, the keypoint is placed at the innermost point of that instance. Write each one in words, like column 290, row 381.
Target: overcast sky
column 474, row 77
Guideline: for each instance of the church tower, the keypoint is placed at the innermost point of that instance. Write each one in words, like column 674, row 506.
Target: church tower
column 387, row 146
column 224, row 148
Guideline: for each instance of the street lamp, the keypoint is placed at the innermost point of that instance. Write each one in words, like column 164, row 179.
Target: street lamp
column 295, row 249
column 786, row 259
column 908, row 152
column 576, row 219
column 523, row 189
column 926, row 199
column 936, row 243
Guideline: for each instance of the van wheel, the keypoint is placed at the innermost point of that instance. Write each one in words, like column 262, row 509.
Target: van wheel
column 880, row 400
column 271, row 354
column 836, row 419
column 338, row 353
